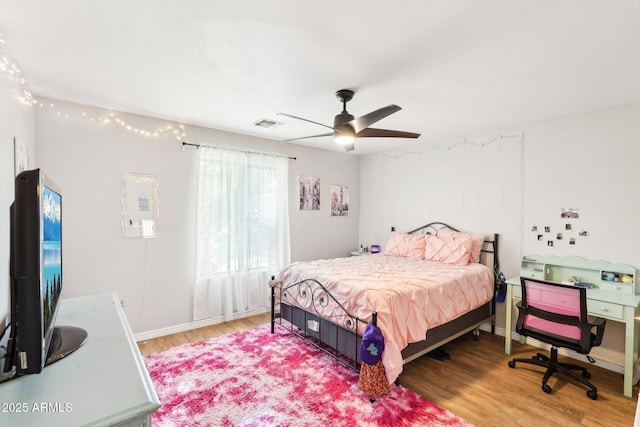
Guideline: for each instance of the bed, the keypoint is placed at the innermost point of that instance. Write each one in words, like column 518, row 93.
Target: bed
column 429, row 286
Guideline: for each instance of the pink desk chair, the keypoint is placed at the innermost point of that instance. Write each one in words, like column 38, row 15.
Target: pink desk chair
column 557, row 315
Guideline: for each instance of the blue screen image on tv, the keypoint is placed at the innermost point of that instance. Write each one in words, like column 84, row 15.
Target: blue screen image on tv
column 51, row 253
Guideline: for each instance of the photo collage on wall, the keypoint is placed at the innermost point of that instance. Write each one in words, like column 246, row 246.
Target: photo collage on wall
column 568, row 231
column 309, row 196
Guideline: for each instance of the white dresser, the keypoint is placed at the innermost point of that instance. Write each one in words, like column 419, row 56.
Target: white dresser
column 103, row 383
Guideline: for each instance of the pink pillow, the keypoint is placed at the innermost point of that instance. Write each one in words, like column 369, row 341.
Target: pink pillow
column 449, row 250
column 477, row 241
column 405, row 245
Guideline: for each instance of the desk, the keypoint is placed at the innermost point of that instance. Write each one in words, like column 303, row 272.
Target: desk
column 610, row 305
column 103, row 383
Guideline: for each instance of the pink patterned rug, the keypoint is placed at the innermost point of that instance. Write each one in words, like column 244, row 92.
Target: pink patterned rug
column 254, row 378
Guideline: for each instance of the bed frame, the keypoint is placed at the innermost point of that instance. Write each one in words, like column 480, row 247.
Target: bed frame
column 339, row 335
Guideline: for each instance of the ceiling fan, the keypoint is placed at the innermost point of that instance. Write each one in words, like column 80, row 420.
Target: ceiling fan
column 346, row 127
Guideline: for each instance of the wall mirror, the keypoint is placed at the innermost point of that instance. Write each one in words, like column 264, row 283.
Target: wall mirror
column 139, row 205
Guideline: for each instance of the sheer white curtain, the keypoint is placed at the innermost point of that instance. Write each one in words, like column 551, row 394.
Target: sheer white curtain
column 242, row 230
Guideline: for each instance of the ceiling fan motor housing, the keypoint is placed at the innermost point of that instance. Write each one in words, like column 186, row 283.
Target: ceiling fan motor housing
column 341, row 127
column 341, row 119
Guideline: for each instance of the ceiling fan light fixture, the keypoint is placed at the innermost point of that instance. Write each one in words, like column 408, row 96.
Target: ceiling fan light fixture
column 344, row 134
column 344, row 139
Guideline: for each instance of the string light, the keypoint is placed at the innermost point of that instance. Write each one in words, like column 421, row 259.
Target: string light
column 111, row 118
column 9, row 66
column 464, row 142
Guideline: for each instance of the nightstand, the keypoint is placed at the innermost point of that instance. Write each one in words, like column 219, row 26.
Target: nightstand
column 358, row 253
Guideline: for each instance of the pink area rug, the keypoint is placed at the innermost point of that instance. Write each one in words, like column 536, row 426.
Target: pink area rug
column 254, row 378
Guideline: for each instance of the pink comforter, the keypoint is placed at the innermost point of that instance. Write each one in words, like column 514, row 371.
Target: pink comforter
column 410, row 296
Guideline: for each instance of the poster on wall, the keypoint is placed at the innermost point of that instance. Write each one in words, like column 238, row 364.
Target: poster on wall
column 339, row 200
column 309, row 191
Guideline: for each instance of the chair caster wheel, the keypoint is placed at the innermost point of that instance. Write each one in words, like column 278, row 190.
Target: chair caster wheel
column 586, row 374
column 592, row 394
column 546, row 388
column 511, row 364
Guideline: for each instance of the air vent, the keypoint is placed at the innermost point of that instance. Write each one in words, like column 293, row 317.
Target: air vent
column 266, row 123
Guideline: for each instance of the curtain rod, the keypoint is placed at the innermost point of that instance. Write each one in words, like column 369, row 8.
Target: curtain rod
column 235, row 149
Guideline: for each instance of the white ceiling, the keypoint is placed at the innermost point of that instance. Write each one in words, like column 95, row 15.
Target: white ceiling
column 455, row 67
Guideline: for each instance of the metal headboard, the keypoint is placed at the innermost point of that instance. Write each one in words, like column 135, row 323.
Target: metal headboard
column 489, row 249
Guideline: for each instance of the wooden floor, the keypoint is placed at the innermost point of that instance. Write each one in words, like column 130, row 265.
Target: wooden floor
column 477, row 385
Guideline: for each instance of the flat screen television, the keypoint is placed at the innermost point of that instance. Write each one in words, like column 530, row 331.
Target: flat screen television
column 36, row 277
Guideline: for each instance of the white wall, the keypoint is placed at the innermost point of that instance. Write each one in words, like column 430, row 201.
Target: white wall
column 154, row 277
column 587, row 162
column 472, row 185
column 590, row 163
column 314, row 234
column 16, row 122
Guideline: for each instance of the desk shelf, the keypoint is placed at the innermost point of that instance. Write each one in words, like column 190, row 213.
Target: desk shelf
column 603, row 275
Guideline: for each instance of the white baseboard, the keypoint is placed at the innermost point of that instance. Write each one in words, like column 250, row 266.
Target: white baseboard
column 142, row 336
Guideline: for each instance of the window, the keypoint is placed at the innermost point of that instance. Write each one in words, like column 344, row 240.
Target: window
column 242, row 230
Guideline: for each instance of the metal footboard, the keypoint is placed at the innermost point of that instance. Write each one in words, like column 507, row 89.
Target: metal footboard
column 300, row 307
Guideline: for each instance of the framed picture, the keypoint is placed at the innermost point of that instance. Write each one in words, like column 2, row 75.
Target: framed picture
column 309, row 190
column 339, row 200
column 20, row 156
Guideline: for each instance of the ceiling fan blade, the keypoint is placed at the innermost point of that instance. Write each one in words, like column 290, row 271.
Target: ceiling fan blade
column 304, row 120
column 367, row 120
column 385, row 133
column 306, row 137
